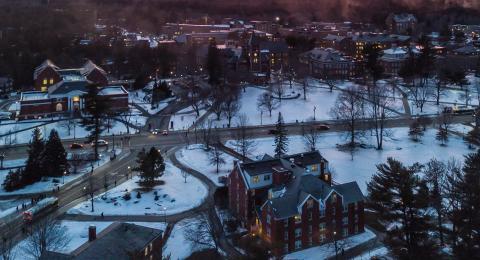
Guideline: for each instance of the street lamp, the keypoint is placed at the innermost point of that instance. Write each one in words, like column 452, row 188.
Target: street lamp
column 165, row 214
column 129, row 171
column 335, row 242
column 314, row 109
column 64, row 173
column 2, row 157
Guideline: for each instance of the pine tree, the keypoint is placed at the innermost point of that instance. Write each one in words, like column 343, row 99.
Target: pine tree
column 416, row 131
column 466, row 217
column 97, row 107
column 281, row 139
column 54, row 158
column 150, row 166
column 13, row 180
column 442, row 135
column 33, row 167
column 400, row 200
column 473, row 137
column 214, row 66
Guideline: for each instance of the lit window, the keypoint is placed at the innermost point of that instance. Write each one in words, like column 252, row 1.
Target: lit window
column 51, row 81
column 44, row 89
column 314, row 167
column 255, row 179
column 45, row 81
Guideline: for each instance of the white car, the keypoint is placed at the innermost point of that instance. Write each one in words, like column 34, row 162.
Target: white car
column 100, row 143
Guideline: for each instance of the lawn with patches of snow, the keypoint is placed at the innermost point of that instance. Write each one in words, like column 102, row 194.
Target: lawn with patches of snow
column 197, row 158
column 360, row 165
column 174, row 196
column 378, row 252
column 142, row 99
column 328, row 250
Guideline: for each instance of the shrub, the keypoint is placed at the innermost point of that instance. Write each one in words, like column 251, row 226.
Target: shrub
column 127, row 196
column 139, row 196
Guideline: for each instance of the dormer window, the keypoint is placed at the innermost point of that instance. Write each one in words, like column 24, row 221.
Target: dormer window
column 310, row 204
column 266, row 177
column 255, row 179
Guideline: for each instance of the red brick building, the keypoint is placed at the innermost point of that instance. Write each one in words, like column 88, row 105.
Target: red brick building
column 61, row 90
column 291, row 202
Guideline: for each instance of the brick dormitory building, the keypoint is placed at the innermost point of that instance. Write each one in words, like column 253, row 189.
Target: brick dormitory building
column 60, row 91
column 291, row 202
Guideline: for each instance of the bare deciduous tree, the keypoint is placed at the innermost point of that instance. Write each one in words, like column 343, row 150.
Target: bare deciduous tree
column 47, row 234
column 201, row 232
column 278, row 90
column 243, row 139
column 126, row 117
column 68, row 124
column 230, row 108
column 349, row 107
column 311, row 136
column 216, row 158
column 379, row 102
column 185, row 175
column 6, row 245
column 266, row 102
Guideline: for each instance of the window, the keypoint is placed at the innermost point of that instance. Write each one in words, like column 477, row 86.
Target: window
column 51, row 81
column 268, row 231
column 285, row 248
column 345, row 220
column 310, row 215
column 44, row 89
column 286, row 223
column 298, row 244
column 45, row 81
column 322, row 237
column 314, row 168
column 268, row 219
column 298, row 232
column 310, row 204
column 321, row 227
column 285, row 235
column 266, row 177
column 310, row 230
column 356, row 228
column 345, row 232
column 322, row 212
column 255, row 179
column 146, row 251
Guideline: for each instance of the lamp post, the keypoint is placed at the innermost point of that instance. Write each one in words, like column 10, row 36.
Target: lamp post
column 2, row 157
column 129, row 171
column 335, row 242
column 314, row 109
column 165, row 214
column 63, row 180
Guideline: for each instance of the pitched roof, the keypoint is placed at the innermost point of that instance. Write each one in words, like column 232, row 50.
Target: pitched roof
column 325, row 55
column 117, row 242
column 89, row 66
column 43, row 66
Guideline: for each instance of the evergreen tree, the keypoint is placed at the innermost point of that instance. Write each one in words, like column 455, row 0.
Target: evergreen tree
column 435, row 175
column 281, row 139
column 97, row 107
column 33, row 167
column 466, row 217
column 54, row 158
column 473, row 137
column 400, row 200
column 150, row 166
column 214, row 66
column 13, row 180
column 415, row 131
column 442, row 135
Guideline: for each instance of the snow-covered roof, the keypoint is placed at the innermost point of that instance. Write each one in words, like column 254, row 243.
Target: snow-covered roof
column 44, row 65
column 33, row 95
column 112, row 90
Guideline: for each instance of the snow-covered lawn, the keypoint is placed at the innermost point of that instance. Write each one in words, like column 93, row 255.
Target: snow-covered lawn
column 291, row 109
column 177, row 246
column 47, row 184
column 360, row 165
column 185, row 118
column 78, row 235
column 142, row 99
column 328, row 250
column 174, row 196
column 76, row 131
column 197, row 158
column 378, row 252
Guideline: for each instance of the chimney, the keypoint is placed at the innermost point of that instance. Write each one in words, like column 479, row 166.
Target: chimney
column 92, row 233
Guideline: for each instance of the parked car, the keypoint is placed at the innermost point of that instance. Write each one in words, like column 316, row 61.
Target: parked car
column 165, row 132
column 323, row 127
column 76, row 146
column 100, row 143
